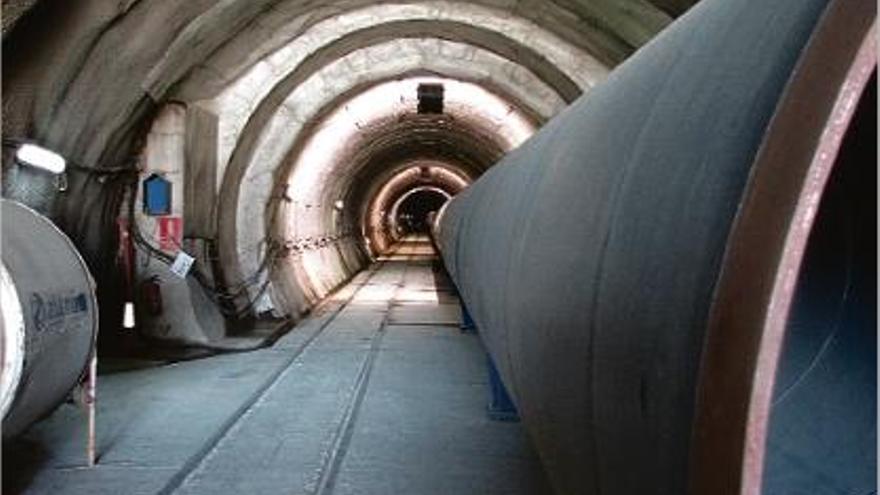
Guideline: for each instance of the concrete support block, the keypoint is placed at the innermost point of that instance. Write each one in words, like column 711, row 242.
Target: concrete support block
column 200, row 172
column 187, row 313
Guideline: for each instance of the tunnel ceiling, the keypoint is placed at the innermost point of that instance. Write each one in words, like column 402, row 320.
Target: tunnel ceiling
column 461, row 146
column 87, row 79
column 139, row 53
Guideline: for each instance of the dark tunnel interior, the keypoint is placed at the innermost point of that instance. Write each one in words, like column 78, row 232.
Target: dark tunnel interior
column 826, row 389
column 412, row 213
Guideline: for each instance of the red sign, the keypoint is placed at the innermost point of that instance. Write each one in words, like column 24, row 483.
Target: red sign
column 170, row 233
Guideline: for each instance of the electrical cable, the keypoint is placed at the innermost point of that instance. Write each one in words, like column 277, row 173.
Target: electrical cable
column 18, row 142
column 223, row 298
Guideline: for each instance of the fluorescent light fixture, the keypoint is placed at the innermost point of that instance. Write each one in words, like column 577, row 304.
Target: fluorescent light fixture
column 128, row 315
column 39, row 157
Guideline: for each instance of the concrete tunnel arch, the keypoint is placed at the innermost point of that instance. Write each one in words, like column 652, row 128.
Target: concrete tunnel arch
column 388, row 193
column 267, row 147
column 427, row 193
column 462, row 43
column 323, row 245
column 546, row 36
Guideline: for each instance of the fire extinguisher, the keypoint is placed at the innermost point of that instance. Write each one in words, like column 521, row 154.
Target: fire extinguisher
column 151, row 295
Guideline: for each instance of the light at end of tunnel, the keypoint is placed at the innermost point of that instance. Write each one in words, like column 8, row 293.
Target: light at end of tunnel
column 128, row 316
column 39, row 157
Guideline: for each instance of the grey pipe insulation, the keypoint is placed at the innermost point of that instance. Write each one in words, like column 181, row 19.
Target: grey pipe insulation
column 49, row 316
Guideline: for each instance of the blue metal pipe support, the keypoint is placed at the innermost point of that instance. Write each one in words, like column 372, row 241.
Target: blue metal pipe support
column 501, row 406
column 467, row 324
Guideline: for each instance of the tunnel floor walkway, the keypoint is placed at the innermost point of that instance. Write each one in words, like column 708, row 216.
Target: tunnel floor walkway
column 379, row 392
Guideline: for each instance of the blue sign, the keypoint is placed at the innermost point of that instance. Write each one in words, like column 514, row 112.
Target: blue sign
column 157, row 195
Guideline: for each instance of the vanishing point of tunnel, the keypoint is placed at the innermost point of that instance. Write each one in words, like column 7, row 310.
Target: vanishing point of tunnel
column 434, row 247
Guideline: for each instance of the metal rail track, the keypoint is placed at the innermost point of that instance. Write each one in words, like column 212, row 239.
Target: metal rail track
column 180, row 478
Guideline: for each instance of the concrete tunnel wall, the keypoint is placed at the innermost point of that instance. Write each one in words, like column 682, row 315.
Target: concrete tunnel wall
column 345, row 155
column 96, row 76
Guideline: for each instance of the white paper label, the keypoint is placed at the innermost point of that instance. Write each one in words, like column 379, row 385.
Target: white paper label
column 182, row 264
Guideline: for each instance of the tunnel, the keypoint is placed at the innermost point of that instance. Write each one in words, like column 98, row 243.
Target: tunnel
column 539, row 247
column 412, row 212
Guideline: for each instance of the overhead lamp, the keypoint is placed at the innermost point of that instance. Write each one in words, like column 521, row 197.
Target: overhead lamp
column 39, row 157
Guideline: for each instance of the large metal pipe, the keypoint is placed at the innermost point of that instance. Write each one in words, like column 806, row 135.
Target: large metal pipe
column 596, row 258
column 49, row 317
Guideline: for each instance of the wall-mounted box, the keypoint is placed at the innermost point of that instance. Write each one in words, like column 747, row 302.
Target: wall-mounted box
column 157, row 195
